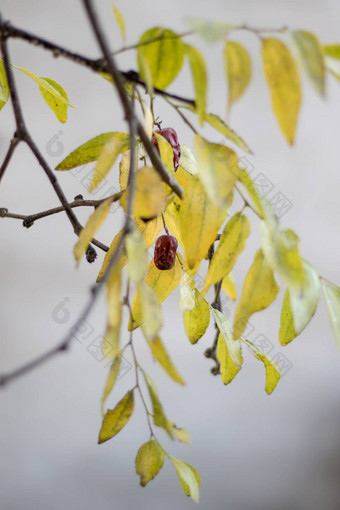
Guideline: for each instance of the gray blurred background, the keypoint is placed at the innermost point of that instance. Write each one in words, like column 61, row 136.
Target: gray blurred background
column 253, row 451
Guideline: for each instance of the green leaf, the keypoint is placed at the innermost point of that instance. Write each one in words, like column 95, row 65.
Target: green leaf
column 230, row 245
column 273, row 371
column 149, row 461
column 332, row 50
column 4, row 90
column 228, row 368
column 57, row 106
column 120, row 21
column 210, row 30
column 94, row 222
column 238, row 69
column 217, row 169
column 332, row 296
column 90, row 150
column 216, row 122
column 200, row 79
column 196, row 321
column 281, row 250
column 284, row 85
column 259, row 291
column 116, row 419
column 161, row 355
column 311, row 56
column 188, row 477
column 111, row 379
column 117, row 144
column 226, row 330
column 159, row 418
column 164, row 55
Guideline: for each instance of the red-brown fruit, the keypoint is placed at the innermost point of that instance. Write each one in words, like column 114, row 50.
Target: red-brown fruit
column 165, row 252
column 171, row 136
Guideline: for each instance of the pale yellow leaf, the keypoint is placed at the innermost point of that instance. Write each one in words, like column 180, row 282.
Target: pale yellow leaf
column 151, row 311
column 107, row 157
column 225, row 328
column 137, row 258
column 238, row 70
column 332, row 295
column 229, row 286
column 120, row 20
column 312, row 58
column 159, row 417
column 199, row 78
column 188, row 477
column 187, row 292
column 284, row 85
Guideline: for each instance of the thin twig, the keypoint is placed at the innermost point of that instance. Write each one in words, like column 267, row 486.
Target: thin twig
column 12, row 146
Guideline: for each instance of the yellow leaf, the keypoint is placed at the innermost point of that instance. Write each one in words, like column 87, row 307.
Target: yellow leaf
column 111, row 379
column 181, row 434
column 161, row 355
column 163, row 51
column 149, row 461
column 124, row 167
column 150, row 230
column 217, row 169
column 332, row 295
column 107, row 158
column 188, row 477
column 284, row 84
column 151, row 311
column 273, row 371
column 4, row 90
column 111, row 340
column 194, row 220
column 44, row 84
column 90, row 150
column 234, row 348
column 332, row 50
column 187, row 160
column 57, row 106
column 196, row 321
column 238, row 69
column 259, row 290
column 161, row 282
column 287, row 331
column 93, row 223
column 311, row 56
column 230, row 245
column 150, row 194
column 247, row 182
column 115, row 419
column 166, row 152
column 228, row 368
column 281, row 250
column 120, row 20
column 229, row 286
column 137, row 258
column 217, row 123
column 114, row 284
column 187, row 292
column 199, row 78
column 159, row 418
column 299, row 305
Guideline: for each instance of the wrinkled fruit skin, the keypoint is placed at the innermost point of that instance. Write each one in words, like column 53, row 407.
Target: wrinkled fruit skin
column 171, row 136
column 165, row 252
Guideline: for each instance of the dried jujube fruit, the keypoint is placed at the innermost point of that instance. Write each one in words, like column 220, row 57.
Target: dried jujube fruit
column 165, row 252
column 171, row 136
